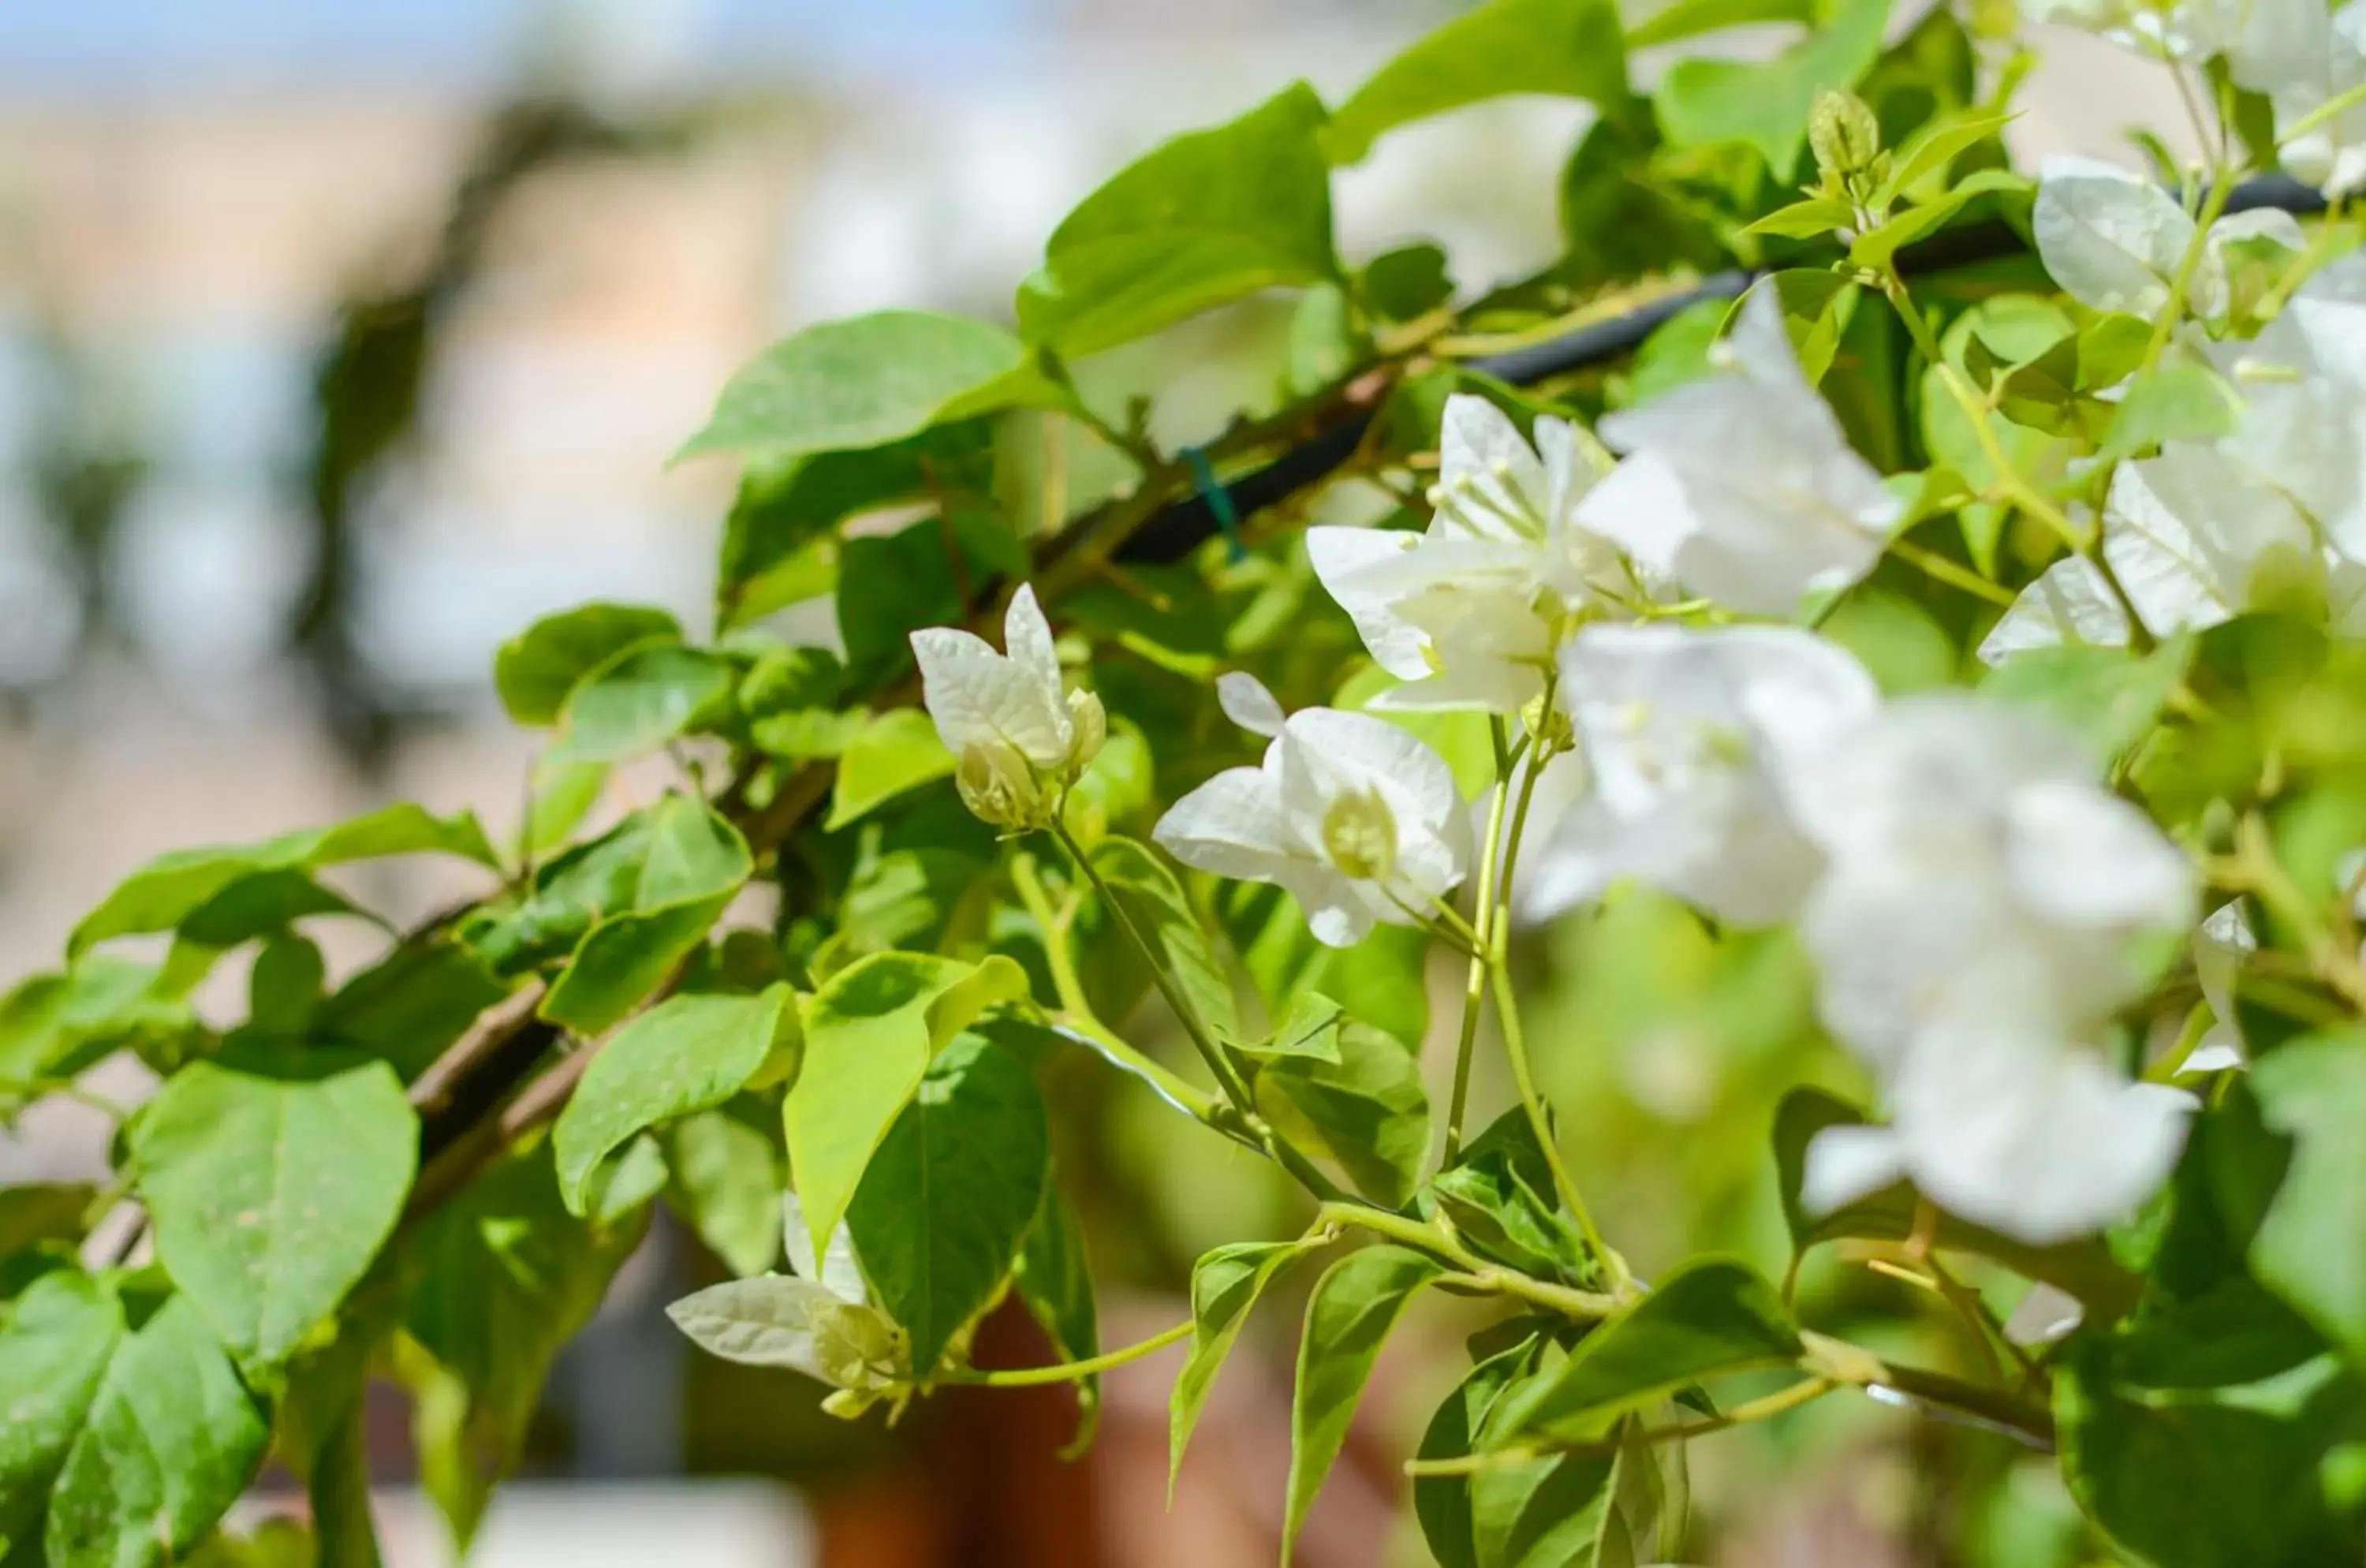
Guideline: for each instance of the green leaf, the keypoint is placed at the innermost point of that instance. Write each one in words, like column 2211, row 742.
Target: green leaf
column 1765, row 103
column 1877, row 247
column 1690, row 18
column 2109, row 696
column 1368, row 1110
column 171, row 1438
column 1204, row 220
column 1162, row 911
column 53, row 1026
column 33, row 1216
column 727, row 1173
column 322, row 1437
column 1312, row 1029
column 173, row 887
column 500, row 1276
column 863, row 382
column 950, row 1191
column 1809, row 220
column 1354, row 1304
column 1588, row 1509
column 535, row 670
column 2310, row 1246
column 1442, row 1503
column 2082, row 1269
column 55, row 1345
column 564, row 793
column 409, row 1006
column 1226, row 1283
column 1055, row 1281
column 871, row 1031
column 781, row 524
column 1405, row 283
column 897, row 750
column 684, row 867
column 889, row 586
column 2176, row 403
column 1494, row 1198
column 1816, row 309
column 649, row 695
column 271, row 1193
column 686, row 1053
column 1933, row 148
column 2204, row 1437
column 1708, row 1318
column 1565, row 47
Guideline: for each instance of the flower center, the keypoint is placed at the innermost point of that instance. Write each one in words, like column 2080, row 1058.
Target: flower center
column 1359, row 834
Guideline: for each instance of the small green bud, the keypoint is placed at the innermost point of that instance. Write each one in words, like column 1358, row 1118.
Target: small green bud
column 1359, row 834
column 1845, row 137
column 1000, row 789
column 1091, row 721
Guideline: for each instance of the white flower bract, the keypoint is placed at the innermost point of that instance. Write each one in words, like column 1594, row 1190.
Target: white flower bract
column 1353, row 817
column 1686, row 733
column 1006, row 718
column 1742, row 485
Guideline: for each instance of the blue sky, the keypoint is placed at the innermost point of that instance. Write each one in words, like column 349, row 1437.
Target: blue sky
column 82, row 46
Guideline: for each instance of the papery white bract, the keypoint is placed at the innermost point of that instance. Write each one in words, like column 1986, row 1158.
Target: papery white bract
column 2194, row 540
column 2302, row 383
column 1997, row 1120
column 2115, row 240
column 1468, row 613
column 1742, row 485
column 1687, row 732
column 1353, row 817
column 1972, row 857
column 1017, row 732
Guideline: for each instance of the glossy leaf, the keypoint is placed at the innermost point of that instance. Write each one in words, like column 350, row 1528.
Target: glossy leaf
column 870, row 1034
column 55, row 1345
column 1442, row 1503
column 1201, row 222
column 894, row 752
column 272, row 1187
column 648, row 697
column 1564, row 48
column 2309, row 1248
column 950, row 1191
column 863, row 382
column 1765, row 103
column 2110, row 696
column 535, row 670
column 1162, row 912
column 171, row 1439
column 1354, row 1304
column 684, row 867
column 726, row 1168
column 1055, row 1280
column 1706, row 1319
column 686, row 1053
column 1226, row 1283
column 176, row 885
column 1368, row 1110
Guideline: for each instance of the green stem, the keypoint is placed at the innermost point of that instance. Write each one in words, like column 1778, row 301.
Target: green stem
column 1227, row 1076
column 1070, row 1371
column 1516, row 1047
column 1077, row 1009
column 1474, row 992
column 65, row 1088
column 1475, row 1272
column 1775, row 1404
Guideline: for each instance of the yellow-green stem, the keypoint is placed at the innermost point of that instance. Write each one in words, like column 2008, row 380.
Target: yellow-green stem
column 1069, row 1371
column 1516, row 1047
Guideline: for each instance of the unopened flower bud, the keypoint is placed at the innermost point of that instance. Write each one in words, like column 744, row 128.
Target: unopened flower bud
column 1845, row 137
column 999, row 787
column 1091, row 721
column 1360, row 835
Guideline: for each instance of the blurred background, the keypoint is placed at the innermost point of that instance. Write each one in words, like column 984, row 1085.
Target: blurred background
column 338, row 342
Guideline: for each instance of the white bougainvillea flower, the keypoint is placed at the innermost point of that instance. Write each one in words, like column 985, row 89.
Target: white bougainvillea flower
column 1353, row 817
column 1972, row 857
column 1248, row 702
column 2304, row 56
column 2195, row 541
column 2114, row 240
column 2221, row 944
column 1687, row 732
column 1018, row 733
column 1466, row 614
column 819, row 1321
column 2303, row 384
column 1740, row 485
column 1998, row 1121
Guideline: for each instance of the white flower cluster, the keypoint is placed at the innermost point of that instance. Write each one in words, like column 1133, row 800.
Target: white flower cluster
column 2271, row 514
column 1977, row 906
column 2307, row 58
